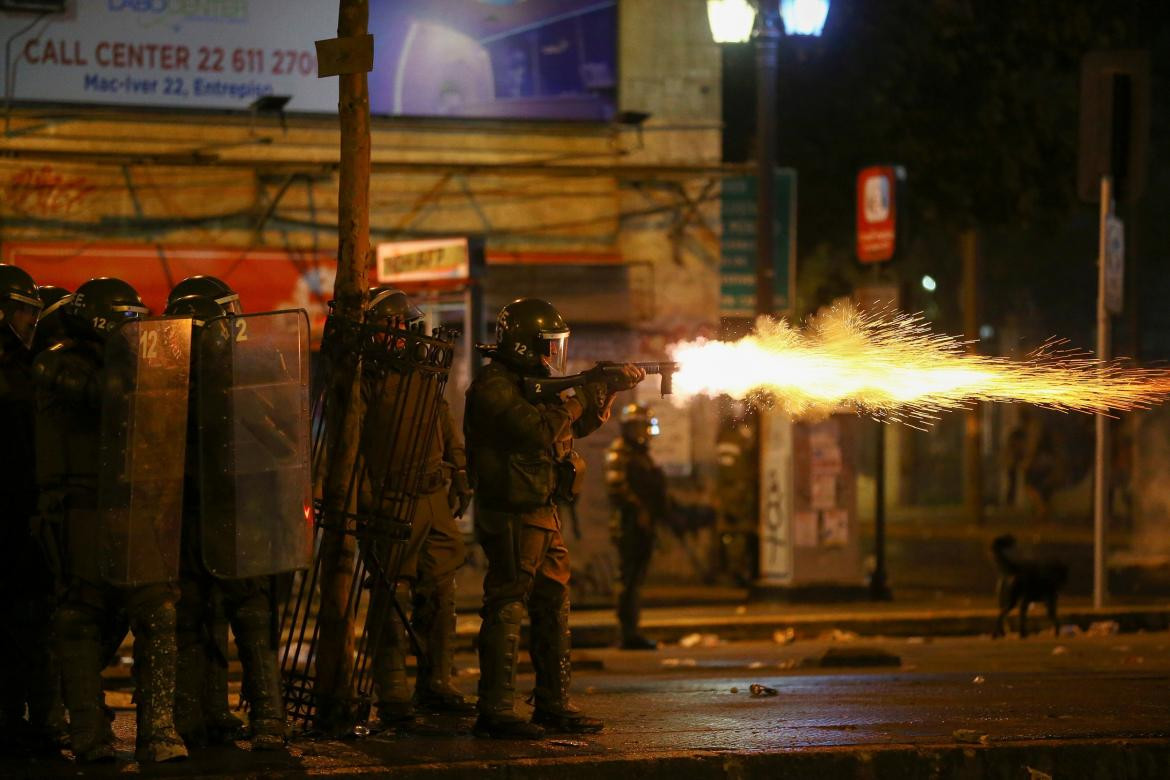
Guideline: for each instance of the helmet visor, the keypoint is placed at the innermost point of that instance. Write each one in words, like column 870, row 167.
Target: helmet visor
column 22, row 319
column 230, row 303
column 128, row 312
column 554, row 351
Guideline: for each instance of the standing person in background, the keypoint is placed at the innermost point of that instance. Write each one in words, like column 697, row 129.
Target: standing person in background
column 637, row 496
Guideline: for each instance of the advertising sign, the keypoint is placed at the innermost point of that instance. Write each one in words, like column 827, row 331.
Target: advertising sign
column 266, row 279
column 426, row 260
column 552, row 59
column 876, row 214
column 737, row 268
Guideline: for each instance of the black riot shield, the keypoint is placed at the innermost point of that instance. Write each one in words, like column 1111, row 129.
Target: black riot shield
column 252, row 381
column 143, row 440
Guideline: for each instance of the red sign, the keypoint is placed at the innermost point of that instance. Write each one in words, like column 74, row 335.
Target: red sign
column 875, row 214
column 266, row 279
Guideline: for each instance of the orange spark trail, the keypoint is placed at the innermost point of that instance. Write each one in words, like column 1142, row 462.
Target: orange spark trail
column 890, row 365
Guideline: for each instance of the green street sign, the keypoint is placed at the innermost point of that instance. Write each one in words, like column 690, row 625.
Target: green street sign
column 737, row 267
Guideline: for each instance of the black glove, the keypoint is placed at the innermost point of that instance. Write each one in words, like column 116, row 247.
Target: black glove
column 460, row 493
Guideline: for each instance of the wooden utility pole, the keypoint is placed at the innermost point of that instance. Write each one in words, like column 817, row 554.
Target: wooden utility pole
column 343, row 411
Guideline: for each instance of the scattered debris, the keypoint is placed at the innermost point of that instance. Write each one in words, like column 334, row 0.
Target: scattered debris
column 1070, row 629
column 1059, row 650
column 838, row 635
column 979, row 679
column 734, row 689
column 756, row 665
column 566, row 742
column 855, row 656
column 916, row 640
column 1036, row 774
column 784, row 636
column 970, row 737
column 788, row 663
column 1133, row 660
column 762, row 691
column 679, row 662
column 1103, row 628
column 590, row 689
column 741, row 609
column 700, row 640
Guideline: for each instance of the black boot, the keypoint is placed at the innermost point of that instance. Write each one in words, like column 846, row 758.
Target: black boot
column 499, row 644
column 90, row 736
column 434, row 624
column 261, row 672
column 550, row 658
column 154, row 659
column 388, row 666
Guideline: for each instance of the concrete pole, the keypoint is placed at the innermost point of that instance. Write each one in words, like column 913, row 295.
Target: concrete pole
column 767, row 42
column 335, row 650
column 973, row 430
column 1101, row 465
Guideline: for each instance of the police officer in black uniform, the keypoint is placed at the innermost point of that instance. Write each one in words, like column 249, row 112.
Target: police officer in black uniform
column 50, row 323
column 208, row 605
column 70, row 377
column 435, row 549
column 27, row 674
column 637, row 496
column 522, row 460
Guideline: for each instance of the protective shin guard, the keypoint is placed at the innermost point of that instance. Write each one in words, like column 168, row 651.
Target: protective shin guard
column 499, row 645
column 154, row 657
column 90, row 735
column 434, row 623
column 261, row 675
column 388, row 670
column 554, row 671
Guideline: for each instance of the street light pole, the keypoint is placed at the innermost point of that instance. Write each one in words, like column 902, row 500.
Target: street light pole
column 767, row 43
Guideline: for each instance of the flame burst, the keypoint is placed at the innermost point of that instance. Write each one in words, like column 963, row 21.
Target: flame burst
column 890, row 366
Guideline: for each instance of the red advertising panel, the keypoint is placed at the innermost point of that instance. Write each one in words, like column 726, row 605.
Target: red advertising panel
column 266, row 279
column 876, row 213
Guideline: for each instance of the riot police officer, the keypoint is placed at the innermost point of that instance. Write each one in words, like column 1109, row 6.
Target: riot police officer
column 637, row 496
column 72, row 376
column 27, row 675
column 435, row 550
column 522, row 460
column 209, row 604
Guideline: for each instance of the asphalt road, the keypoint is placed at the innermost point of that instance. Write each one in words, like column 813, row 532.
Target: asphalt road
column 974, row 693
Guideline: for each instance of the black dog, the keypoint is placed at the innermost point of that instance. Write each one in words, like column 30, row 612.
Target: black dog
column 1022, row 582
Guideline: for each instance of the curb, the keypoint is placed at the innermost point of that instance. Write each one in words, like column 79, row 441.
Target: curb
column 747, row 627
column 1129, row 758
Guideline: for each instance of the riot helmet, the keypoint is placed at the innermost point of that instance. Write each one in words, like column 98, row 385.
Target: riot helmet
column 100, row 305
column 208, row 318
column 209, row 287
column 639, row 424
column 532, row 336
column 51, row 322
column 20, row 304
column 390, row 303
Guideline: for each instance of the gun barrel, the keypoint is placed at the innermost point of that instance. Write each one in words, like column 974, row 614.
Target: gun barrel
column 658, row 367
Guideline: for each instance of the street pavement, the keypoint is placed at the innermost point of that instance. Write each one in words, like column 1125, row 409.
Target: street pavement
column 1093, row 704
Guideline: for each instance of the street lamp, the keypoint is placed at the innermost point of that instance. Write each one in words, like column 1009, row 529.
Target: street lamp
column 737, row 21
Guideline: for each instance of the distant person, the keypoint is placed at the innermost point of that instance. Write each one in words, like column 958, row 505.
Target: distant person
column 637, row 498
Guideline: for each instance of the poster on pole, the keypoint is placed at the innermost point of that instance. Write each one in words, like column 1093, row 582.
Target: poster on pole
column 876, row 213
column 1114, row 264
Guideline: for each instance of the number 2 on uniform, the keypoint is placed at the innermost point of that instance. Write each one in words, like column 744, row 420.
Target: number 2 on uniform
column 241, row 330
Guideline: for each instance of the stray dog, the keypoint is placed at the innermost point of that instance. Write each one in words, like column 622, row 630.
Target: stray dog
column 1022, row 582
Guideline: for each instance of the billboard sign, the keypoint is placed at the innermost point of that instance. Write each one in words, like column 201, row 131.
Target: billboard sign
column 876, row 213
column 546, row 59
